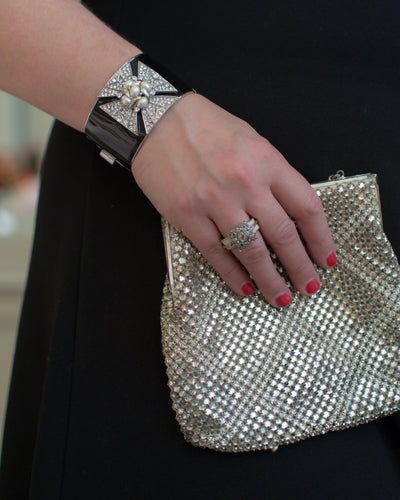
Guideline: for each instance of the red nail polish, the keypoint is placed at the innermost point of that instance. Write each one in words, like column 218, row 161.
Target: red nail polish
column 248, row 289
column 312, row 286
column 283, row 300
column 331, row 260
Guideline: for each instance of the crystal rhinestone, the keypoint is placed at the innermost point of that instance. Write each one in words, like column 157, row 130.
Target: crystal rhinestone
column 142, row 90
column 245, row 376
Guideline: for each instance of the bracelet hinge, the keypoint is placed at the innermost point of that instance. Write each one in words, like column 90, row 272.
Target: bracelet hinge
column 107, row 156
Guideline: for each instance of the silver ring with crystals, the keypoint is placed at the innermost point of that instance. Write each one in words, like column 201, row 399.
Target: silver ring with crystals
column 241, row 236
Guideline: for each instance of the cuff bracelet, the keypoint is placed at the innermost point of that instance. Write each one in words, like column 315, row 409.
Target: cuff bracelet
column 128, row 107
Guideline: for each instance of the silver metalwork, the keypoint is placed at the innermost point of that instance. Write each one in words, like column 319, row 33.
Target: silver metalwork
column 337, row 176
column 137, row 93
column 107, row 156
column 241, row 237
column 244, row 375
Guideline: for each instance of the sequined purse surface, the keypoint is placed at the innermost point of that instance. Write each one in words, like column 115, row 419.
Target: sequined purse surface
column 244, row 375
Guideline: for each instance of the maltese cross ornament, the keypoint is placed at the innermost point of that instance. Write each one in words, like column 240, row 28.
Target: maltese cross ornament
column 130, row 97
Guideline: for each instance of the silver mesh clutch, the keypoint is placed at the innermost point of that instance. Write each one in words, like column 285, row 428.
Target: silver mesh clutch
column 246, row 376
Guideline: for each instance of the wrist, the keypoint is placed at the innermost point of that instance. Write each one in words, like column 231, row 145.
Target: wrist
column 185, row 97
column 111, row 61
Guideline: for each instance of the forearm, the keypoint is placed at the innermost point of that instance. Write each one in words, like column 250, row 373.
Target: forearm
column 57, row 55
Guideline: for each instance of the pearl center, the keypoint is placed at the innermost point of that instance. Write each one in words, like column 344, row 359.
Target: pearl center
column 136, row 94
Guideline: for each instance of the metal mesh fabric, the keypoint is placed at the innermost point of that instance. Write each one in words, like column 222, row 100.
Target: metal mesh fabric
column 246, row 376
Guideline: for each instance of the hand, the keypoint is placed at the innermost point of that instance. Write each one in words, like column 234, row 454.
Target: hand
column 206, row 171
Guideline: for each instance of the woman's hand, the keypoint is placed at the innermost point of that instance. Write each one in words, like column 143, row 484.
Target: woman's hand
column 206, row 171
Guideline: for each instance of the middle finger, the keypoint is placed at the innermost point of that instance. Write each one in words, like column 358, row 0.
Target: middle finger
column 280, row 233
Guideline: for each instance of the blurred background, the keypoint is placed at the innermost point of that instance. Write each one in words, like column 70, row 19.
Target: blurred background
column 23, row 136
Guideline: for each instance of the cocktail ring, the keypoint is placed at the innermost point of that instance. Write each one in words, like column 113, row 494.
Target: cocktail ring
column 241, row 237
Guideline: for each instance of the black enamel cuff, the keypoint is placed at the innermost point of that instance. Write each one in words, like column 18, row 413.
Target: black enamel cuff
column 129, row 106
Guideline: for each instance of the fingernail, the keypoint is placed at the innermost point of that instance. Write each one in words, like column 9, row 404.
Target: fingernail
column 283, row 300
column 331, row 259
column 312, row 286
column 248, row 289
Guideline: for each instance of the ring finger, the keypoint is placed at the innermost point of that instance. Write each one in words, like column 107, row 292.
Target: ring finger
column 257, row 260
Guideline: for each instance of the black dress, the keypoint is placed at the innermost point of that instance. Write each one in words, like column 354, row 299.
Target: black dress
column 89, row 414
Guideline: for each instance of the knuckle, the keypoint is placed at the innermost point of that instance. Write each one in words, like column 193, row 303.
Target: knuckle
column 268, row 153
column 212, row 251
column 273, row 287
column 240, row 173
column 231, row 272
column 312, row 205
column 254, row 254
column 302, row 268
column 208, row 194
column 285, row 233
column 264, row 147
column 184, row 203
column 229, row 269
column 235, row 170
